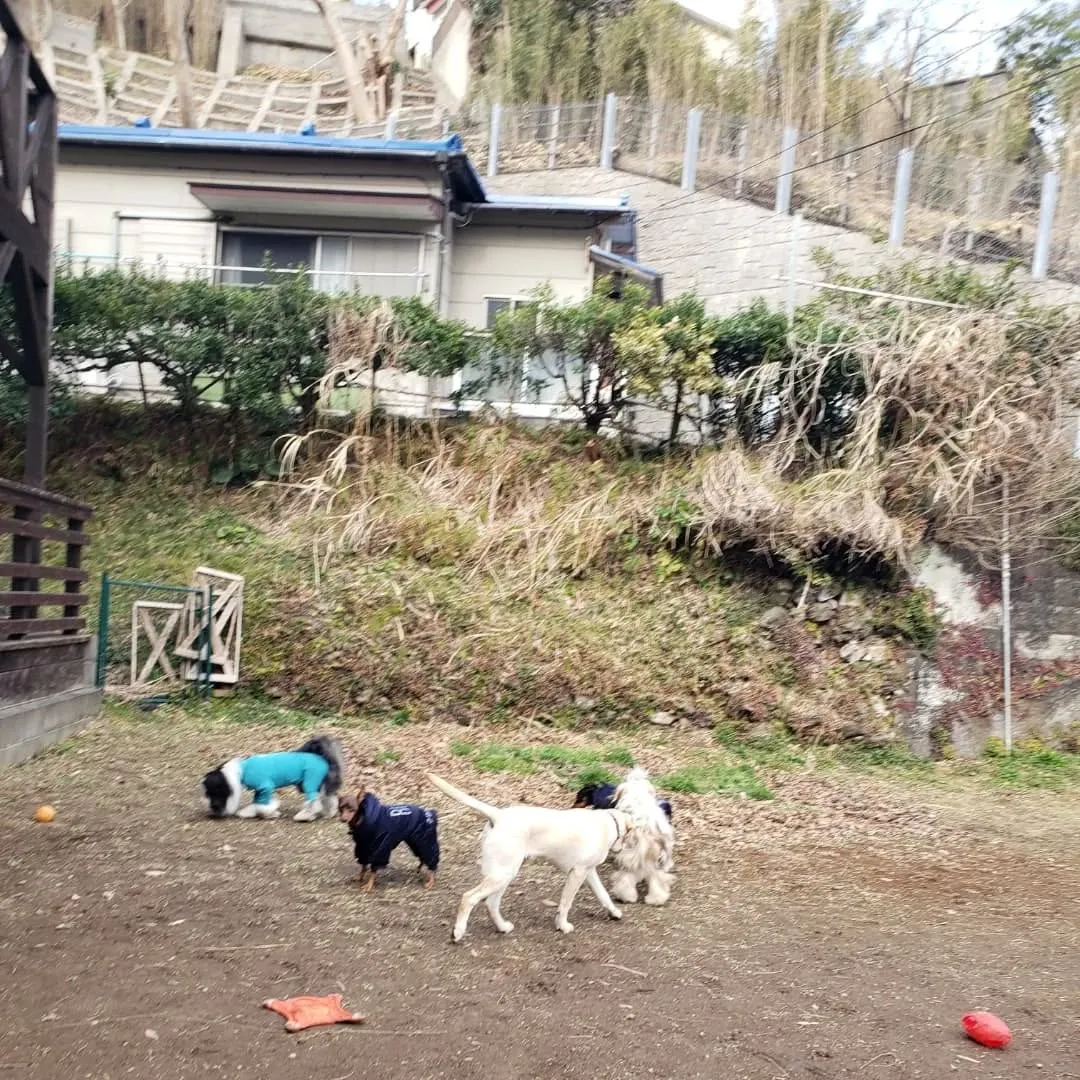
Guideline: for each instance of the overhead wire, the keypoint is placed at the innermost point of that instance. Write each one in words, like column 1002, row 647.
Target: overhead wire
column 887, row 96
column 1068, row 69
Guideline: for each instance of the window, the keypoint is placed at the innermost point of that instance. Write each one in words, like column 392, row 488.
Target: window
column 250, row 252
column 374, row 264
column 622, row 236
column 536, row 382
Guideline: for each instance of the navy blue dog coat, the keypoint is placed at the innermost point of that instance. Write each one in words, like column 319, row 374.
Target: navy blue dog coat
column 377, row 829
column 602, row 797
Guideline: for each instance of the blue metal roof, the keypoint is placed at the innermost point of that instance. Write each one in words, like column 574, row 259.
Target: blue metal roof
column 573, row 203
column 465, row 182
column 207, row 139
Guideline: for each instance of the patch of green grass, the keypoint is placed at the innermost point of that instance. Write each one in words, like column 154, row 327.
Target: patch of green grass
column 387, row 757
column 498, row 757
column 593, row 774
column 1031, row 766
column 575, row 765
column 774, row 750
column 715, row 777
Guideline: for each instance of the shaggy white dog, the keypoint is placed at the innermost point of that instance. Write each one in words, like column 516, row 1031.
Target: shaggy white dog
column 648, row 852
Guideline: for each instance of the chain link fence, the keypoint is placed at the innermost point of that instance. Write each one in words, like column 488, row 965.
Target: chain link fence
column 153, row 640
column 958, row 204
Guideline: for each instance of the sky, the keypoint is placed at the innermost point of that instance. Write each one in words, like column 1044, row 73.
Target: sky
column 984, row 19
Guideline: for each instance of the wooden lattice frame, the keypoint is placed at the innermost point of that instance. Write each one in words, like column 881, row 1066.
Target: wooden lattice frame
column 157, row 621
column 28, row 117
column 226, row 626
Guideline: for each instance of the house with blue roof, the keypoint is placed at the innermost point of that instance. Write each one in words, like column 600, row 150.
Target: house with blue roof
column 382, row 217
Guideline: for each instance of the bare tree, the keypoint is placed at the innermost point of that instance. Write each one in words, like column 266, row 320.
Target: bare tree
column 359, row 103
column 177, row 12
column 119, row 16
column 823, row 70
column 899, row 81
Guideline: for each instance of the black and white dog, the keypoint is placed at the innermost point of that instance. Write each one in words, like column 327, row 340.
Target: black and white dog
column 602, row 797
column 315, row 770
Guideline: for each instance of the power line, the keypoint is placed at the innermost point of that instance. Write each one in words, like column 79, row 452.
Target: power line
column 876, row 142
column 742, row 232
column 857, row 113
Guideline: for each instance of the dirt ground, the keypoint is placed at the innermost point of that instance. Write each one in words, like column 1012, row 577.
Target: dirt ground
column 839, row 931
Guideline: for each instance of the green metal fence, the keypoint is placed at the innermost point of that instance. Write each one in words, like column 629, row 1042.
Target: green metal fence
column 140, row 626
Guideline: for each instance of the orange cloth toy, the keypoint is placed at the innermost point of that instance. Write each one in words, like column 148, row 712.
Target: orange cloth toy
column 306, row 1012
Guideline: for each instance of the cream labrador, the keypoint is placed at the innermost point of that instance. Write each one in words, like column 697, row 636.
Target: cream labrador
column 577, row 841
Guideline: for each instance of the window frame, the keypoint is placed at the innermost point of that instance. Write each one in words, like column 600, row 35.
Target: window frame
column 539, row 410
column 420, row 275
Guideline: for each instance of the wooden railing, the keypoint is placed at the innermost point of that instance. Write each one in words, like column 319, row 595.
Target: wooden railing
column 47, row 542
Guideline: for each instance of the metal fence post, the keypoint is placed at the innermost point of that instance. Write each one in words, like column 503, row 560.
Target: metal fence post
column 102, row 633
column 553, row 141
column 607, row 141
column 793, row 268
column 905, row 160
column 787, row 167
column 690, row 155
column 740, row 161
column 1040, row 263
column 493, row 140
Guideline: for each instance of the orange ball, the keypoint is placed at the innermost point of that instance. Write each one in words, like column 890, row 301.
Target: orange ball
column 44, row 813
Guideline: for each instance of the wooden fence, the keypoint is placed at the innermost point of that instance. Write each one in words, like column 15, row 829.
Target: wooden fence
column 45, row 572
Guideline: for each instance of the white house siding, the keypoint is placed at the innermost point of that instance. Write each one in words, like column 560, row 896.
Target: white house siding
column 148, row 216
column 504, row 261
column 450, row 65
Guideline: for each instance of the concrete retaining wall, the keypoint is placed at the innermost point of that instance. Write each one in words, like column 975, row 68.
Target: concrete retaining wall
column 46, row 694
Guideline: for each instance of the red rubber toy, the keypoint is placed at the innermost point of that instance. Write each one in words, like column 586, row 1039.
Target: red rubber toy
column 987, row 1030
column 306, row 1012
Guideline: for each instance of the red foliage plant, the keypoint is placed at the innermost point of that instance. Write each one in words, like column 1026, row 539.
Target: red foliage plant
column 971, row 667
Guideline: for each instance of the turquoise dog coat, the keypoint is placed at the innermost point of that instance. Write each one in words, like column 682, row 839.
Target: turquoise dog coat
column 265, row 773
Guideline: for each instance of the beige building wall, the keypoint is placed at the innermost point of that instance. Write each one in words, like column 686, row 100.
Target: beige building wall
column 501, row 260
column 150, row 218
column 150, row 215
